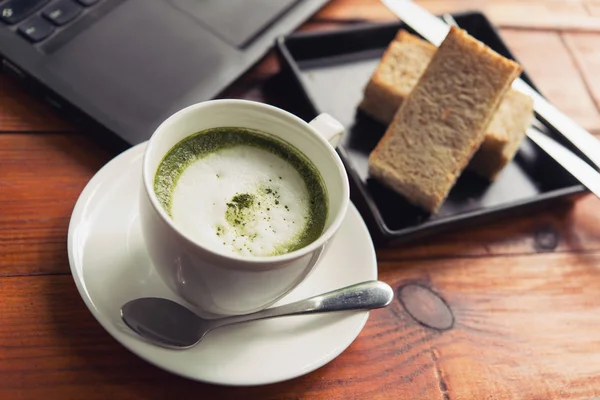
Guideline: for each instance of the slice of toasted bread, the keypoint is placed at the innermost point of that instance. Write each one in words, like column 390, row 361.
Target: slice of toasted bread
column 389, row 86
column 396, row 75
column 441, row 124
column 510, row 122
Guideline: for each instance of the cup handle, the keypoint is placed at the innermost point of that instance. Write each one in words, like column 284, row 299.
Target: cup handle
column 328, row 127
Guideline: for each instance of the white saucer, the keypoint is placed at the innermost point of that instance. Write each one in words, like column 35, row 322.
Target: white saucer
column 110, row 267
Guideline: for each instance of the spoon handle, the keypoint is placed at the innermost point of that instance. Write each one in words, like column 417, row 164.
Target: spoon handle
column 362, row 296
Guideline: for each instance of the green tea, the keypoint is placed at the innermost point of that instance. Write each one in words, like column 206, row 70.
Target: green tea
column 242, row 191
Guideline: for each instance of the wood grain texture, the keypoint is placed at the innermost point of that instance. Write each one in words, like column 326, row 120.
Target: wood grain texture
column 585, row 48
column 551, row 15
column 518, row 321
column 553, row 69
column 355, row 10
column 530, row 14
column 51, row 346
column 41, row 177
column 594, row 9
column 563, row 227
column 494, row 320
column 22, row 112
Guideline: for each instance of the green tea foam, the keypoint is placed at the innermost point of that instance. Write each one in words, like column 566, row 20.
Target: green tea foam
column 242, row 192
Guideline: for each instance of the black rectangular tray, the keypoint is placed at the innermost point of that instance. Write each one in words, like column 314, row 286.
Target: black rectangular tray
column 332, row 68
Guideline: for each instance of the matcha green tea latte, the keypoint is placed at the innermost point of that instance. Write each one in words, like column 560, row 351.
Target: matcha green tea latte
column 242, row 191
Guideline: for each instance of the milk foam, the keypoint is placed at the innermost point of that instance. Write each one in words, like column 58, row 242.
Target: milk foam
column 204, row 202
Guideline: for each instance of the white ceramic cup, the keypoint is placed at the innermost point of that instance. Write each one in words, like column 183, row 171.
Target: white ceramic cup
column 221, row 283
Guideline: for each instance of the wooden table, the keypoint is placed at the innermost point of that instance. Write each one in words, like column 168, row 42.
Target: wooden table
column 524, row 293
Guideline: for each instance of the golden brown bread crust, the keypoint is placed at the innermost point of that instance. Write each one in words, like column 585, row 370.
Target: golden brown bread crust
column 400, row 67
column 441, row 124
column 511, row 120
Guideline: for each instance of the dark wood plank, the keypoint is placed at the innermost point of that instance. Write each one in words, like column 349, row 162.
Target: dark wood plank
column 561, row 227
column 522, row 327
column 355, row 10
column 553, row 69
column 52, row 347
column 586, row 52
column 22, row 112
column 593, row 8
column 523, row 14
column 41, row 177
column 520, row 322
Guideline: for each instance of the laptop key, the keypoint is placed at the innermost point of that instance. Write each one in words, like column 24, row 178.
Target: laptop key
column 36, row 29
column 61, row 12
column 87, row 3
column 13, row 11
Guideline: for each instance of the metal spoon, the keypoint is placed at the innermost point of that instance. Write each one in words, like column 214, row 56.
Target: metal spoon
column 168, row 324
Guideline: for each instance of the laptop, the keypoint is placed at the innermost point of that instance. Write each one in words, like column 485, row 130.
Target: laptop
column 126, row 65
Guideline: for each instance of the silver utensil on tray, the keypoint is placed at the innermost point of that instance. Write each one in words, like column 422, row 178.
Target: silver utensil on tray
column 435, row 30
column 169, row 324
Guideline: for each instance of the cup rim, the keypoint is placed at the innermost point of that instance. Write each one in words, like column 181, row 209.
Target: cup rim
column 254, row 260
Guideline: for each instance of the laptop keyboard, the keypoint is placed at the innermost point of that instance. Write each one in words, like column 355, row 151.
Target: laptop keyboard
column 37, row 20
